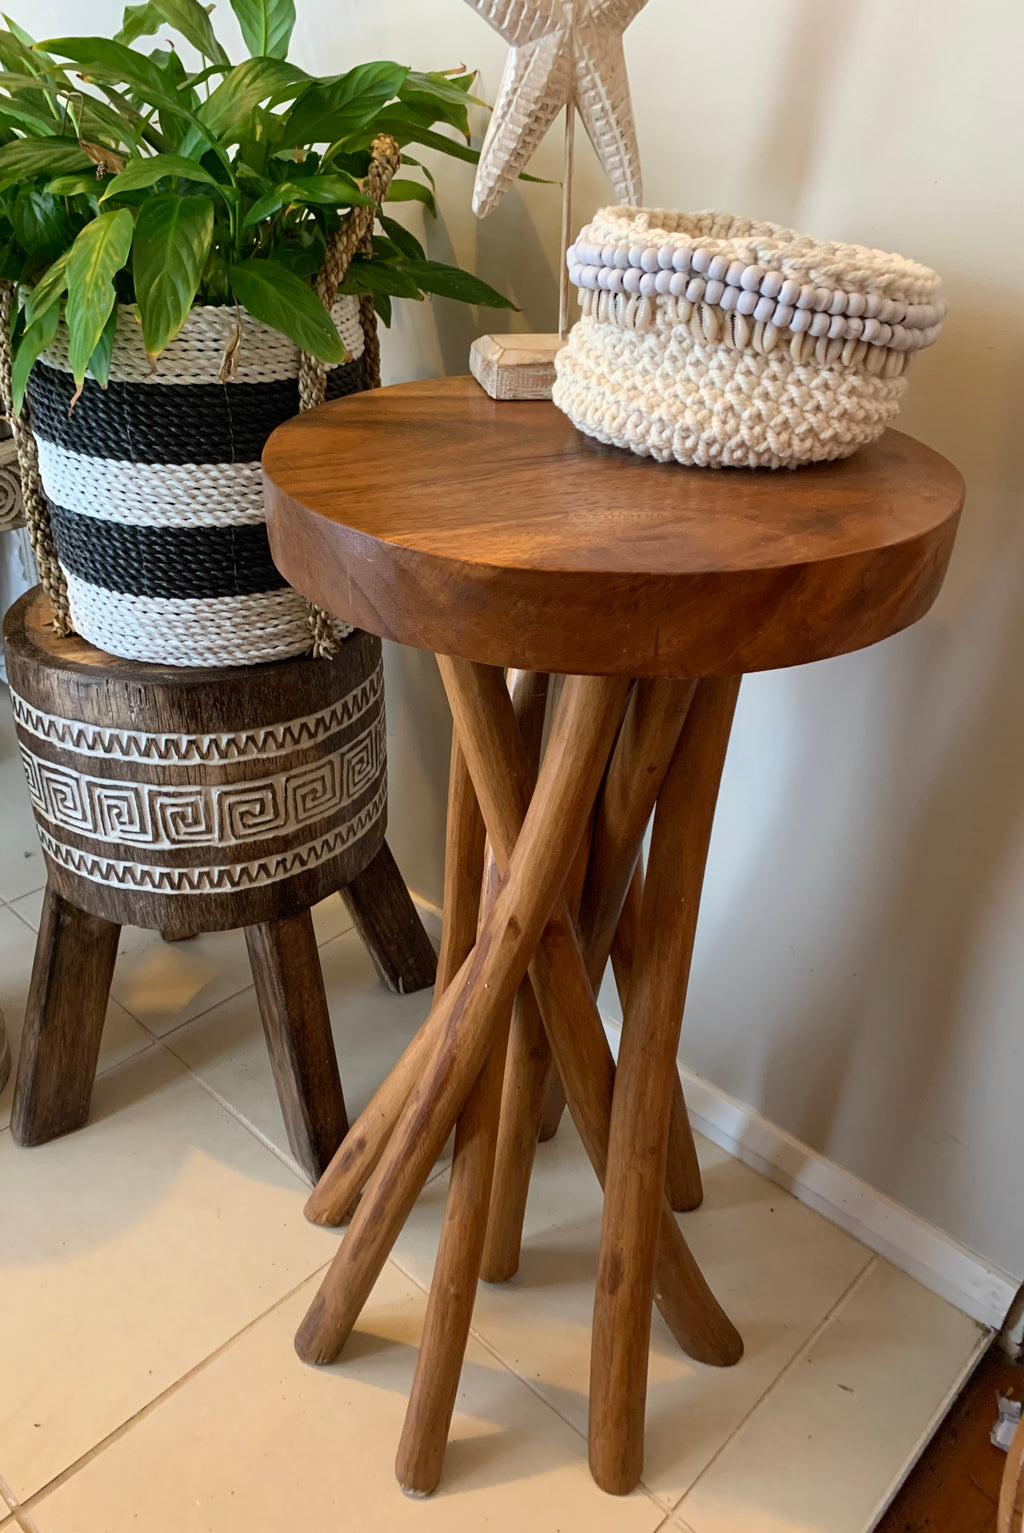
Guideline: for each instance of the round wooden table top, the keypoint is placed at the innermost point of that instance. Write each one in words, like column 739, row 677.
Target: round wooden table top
column 494, row 530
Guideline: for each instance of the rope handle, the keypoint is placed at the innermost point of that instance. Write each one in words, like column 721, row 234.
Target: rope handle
column 355, row 234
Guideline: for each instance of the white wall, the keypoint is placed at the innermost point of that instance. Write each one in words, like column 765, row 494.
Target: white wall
column 859, row 974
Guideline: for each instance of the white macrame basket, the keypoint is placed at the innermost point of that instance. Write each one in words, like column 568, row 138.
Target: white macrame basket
column 725, row 342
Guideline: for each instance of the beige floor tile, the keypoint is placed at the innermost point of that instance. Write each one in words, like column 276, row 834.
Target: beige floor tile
column 256, row 1442
column 122, row 1035
column 128, row 1252
column 371, row 1028
column 776, row 1266
column 165, row 984
column 824, row 1450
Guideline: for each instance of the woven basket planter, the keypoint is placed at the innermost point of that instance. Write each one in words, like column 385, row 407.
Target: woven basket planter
column 154, row 489
column 726, row 342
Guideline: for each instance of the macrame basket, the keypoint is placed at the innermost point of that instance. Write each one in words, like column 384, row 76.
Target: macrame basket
column 729, row 343
column 144, row 501
column 155, row 492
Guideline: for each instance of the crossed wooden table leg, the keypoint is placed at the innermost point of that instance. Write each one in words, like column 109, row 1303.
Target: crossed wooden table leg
column 669, row 739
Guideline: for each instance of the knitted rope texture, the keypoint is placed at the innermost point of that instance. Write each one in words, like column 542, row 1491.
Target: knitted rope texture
column 723, row 342
column 354, row 234
column 37, row 513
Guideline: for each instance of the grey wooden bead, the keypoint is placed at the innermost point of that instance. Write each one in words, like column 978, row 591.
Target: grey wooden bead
column 714, row 290
column 621, row 258
column 800, row 321
column 820, row 323
column 734, row 275
column 677, row 287
column 783, row 314
column 764, row 309
column 752, row 278
column 822, row 298
column 730, row 297
column 789, row 292
column 748, row 301
column 771, row 286
column 650, row 260
column 636, row 255
column 682, row 257
column 718, row 268
column 854, row 326
column 838, row 303
column 855, row 304
column 665, row 255
column 663, row 281
column 700, row 260
column 837, row 328
column 631, row 280
column 648, row 284
column 805, row 297
column 871, row 328
column 872, row 304
column 695, row 289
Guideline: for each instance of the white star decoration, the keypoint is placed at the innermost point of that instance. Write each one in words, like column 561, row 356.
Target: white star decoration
column 564, row 52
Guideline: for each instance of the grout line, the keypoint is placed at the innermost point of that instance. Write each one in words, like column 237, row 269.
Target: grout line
column 827, row 1319
column 165, row 1394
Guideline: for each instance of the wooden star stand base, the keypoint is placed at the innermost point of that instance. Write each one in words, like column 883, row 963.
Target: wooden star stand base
column 515, row 366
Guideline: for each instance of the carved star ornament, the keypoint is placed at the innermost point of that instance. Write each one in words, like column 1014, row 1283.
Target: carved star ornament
column 564, row 53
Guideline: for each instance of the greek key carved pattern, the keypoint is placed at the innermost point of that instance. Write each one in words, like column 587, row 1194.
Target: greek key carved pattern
column 213, row 880
column 137, row 745
column 156, row 815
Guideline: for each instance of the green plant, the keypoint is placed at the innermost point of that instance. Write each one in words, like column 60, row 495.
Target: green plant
column 126, row 178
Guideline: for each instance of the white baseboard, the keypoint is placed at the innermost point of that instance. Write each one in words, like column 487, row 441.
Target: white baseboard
column 925, row 1252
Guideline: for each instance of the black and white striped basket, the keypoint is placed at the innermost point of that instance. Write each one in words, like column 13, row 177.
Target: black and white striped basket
column 155, row 492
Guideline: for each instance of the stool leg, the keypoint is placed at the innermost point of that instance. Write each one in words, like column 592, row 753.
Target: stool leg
column 457, row 1268
column 571, row 1018
column 639, row 761
column 638, row 1134
column 553, row 1102
column 361, row 1149
column 297, row 1025
column 67, row 1002
column 587, row 718
column 386, row 919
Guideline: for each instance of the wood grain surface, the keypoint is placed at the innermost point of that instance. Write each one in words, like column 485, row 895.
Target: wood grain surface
column 431, row 514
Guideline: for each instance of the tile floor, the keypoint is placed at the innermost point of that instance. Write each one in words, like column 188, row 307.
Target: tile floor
column 154, row 1266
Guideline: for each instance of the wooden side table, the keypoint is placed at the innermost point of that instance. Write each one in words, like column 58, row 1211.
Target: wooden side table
column 191, row 800
column 497, row 536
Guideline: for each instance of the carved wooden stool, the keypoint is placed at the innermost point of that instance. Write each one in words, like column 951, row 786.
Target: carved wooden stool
column 195, row 801
column 498, row 536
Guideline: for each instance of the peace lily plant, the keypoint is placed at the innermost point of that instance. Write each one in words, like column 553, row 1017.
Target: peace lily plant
column 127, row 177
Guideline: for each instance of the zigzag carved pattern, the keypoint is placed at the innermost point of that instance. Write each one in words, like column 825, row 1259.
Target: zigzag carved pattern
column 130, row 744
column 245, row 875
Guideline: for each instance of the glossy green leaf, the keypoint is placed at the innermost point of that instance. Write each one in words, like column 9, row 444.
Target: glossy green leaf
column 193, row 22
column 169, row 252
column 40, row 223
column 84, row 184
column 444, row 99
column 48, row 291
column 402, row 190
column 282, row 300
column 247, row 85
column 26, row 158
column 379, row 278
column 407, row 243
column 99, row 362
column 266, row 26
column 408, row 130
column 452, row 282
column 303, row 260
column 334, row 110
column 98, row 254
column 127, row 66
column 139, row 21
column 35, row 340
column 148, row 170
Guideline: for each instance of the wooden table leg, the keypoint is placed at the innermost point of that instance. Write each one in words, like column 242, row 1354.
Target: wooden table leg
column 650, row 730
column 571, row 1018
column 638, row 1136
column 333, row 1198
column 67, row 1002
column 297, row 1025
column 585, row 724
column 386, row 919
column 457, row 1268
